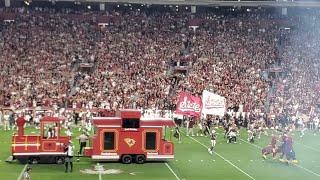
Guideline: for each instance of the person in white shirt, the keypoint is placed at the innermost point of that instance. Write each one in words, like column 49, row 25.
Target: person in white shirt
column 83, row 138
column 88, row 126
column 200, row 131
column 69, row 150
column 68, row 132
column 26, row 174
column 37, row 121
column 6, row 123
column 316, row 124
column 303, row 129
column 49, row 133
column 27, row 117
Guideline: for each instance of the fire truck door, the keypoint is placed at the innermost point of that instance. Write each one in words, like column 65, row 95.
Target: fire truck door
column 151, row 141
column 109, row 143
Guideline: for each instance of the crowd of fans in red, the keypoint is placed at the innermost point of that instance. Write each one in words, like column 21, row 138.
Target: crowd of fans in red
column 297, row 89
column 132, row 54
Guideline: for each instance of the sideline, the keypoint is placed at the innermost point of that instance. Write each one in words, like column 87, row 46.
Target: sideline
column 20, row 176
column 172, row 171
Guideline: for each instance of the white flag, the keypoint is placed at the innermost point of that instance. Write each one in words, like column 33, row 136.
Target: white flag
column 213, row 104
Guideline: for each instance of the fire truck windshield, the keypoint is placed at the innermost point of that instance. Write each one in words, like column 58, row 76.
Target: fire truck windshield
column 130, row 123
column 50, row 130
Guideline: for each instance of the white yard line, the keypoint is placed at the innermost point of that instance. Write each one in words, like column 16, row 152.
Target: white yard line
column 226, row 160
column 301, row 167
column 308, row 170
column 259, row 147
column 172, row 171
column 309, row 147
column 100, row 177
column 24, row 168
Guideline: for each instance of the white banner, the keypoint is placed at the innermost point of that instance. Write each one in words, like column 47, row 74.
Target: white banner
column 213, row 104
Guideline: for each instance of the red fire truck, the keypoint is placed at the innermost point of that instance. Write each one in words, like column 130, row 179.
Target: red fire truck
column 130, row 138
column 126, row 137
column 48, row 147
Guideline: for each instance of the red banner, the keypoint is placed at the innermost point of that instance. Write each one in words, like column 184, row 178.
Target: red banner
column 189, row 105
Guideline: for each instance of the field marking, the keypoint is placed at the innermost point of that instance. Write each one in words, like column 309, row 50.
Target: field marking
column 301, row 167
column 100, row 178
column 226, row 160
column 24, row 168
column 172, row 171
column 309, row 147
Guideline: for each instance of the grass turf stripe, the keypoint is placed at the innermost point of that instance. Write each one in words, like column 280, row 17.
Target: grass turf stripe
column 226, row 160
column 172, row 171
column 301, row 167
column 308, row 147
column 24, row 168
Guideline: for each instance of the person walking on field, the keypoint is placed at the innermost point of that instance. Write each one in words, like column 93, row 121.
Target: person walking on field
column 6, row 123
column 69, row 149
column 83, row 138
column 26, row 174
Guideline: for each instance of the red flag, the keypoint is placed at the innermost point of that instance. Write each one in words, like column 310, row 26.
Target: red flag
column 188, row 104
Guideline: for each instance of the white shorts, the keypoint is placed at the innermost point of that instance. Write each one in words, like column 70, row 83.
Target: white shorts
column 213, row 142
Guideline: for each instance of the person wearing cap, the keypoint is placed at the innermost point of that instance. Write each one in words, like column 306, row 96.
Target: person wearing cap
column 69, row 150
column 213, row 138
column 26, row 174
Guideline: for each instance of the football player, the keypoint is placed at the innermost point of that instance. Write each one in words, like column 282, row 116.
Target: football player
column 200, row 131
column 251, row 136
column 289, row 152
column 303, row 129
column 177, row 133
column 213, row 138
column 271, row 148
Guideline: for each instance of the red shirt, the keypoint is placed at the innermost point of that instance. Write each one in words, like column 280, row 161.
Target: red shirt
column 284, row 138
column 274, row 140
column 289, row 142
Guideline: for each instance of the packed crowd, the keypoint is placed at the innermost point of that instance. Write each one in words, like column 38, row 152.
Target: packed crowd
column 132, row 58
column 296, row 96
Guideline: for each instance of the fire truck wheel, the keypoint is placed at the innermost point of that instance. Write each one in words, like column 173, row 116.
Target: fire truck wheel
column 33, row 160
column 126, row 159
column 22, row 160
column 140, row 159
column 59, row 160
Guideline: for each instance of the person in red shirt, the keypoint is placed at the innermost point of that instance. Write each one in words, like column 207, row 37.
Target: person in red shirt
column 271, row 148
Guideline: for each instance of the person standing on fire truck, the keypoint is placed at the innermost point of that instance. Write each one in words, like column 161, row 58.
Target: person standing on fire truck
column 69, row 149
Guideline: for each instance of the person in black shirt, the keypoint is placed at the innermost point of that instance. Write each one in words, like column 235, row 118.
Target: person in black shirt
column 226, row 128
column 177, row 133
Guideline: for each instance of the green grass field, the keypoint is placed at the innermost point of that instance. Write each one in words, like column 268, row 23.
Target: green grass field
column 192, row 161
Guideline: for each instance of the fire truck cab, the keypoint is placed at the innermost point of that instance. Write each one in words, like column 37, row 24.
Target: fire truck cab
column 130, row 138
column 48, row 147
